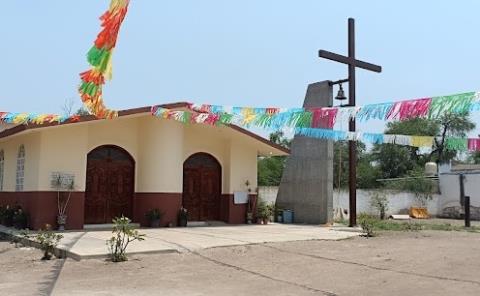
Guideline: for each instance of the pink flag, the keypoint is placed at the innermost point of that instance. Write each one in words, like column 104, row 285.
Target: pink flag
column 323, row 117
column 410, row 109
column 474, row 144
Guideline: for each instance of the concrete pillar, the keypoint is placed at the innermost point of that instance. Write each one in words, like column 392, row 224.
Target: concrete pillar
column 160, row 165
column 307, row 181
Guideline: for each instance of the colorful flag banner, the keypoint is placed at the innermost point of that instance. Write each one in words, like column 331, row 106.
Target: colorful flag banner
column 326, row 117
column 33, row 118
column 100, row 58
column 186, row 117
column 321, row 133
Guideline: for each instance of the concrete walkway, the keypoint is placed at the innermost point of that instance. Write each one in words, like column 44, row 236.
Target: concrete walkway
column 92, row 244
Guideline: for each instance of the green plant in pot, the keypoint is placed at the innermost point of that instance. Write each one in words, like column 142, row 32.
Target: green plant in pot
column 249, row 216
column 2, row 214
column 64, row 184
column 20, row 218
column 271, row 212
column 154, row 217
column 8, row 214
column 263, row 212
column 182, row 217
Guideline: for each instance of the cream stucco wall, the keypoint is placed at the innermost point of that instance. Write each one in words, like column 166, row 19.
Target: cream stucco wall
column 243, row 166
column 10, row 147
column 63, row 149
column 160, row 165
column 158, row 146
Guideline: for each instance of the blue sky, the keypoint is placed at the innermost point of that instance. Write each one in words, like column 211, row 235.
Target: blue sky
column 259, row 53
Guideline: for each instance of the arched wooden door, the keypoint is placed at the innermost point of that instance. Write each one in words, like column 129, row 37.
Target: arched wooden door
column 110, row 184
column 202, row 187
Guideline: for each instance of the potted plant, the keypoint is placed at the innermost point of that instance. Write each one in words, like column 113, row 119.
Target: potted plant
column 249, row 210
column 182, row 217
column 2, row 214
column 20, row 218
column 62, row 182
column 8, row 213
column 271, row 212
column 249, row 216
column 263, row 212
column 266, row 214
column 154, row 217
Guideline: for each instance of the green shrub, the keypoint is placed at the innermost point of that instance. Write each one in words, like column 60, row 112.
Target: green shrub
column 7, row 215
column 48, row 240
column 123, row 235
column 379, row 201
column 367, row 223
column 20, row 218
column 265, row 210
column 154, row 216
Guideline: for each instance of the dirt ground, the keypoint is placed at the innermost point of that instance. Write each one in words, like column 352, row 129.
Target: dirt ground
column 395, row 263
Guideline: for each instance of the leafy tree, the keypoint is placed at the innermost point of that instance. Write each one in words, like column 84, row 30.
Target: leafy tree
column 394, row 161
column 340, row 164
column 451, row 125
column 475, row 157
column 417, row 127
column 367, row 174
column 270, row 169
column 279, row 138
column 397, row 161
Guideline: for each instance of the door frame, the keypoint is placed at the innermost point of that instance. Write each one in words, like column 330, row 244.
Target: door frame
column 132, row 200
column 220, row 179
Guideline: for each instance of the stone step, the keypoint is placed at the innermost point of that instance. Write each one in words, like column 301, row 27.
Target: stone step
column 205, row 223
column 107, row 226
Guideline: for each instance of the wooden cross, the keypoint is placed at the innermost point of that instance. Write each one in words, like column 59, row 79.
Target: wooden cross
column 352, row 151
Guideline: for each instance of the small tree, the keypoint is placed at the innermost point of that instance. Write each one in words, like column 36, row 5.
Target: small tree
column 123, row 235
column 379, row 201
column 367, row 223
column 62, row 182
column 423, row 189
column 48, row 240
column 474, row 157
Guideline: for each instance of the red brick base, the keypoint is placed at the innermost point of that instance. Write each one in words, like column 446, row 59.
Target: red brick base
column 42, row 207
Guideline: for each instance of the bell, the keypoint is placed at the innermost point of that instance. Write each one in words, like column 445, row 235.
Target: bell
column 341, row 94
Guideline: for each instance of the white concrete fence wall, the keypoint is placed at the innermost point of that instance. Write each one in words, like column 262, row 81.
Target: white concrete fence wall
column 398, row 202
column 447, row 203
column 450, row 188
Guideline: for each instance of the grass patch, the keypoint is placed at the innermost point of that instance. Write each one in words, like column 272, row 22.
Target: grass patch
column 375, row 224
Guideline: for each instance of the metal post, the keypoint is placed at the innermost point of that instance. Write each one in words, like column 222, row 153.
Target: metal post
column 352, row 151
column 462, row 189
column 467, row 211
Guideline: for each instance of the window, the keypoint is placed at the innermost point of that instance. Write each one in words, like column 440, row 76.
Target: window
column 2, row 166
column 20, row 169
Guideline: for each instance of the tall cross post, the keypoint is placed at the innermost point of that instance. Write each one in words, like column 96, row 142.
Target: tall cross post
column 352, row 151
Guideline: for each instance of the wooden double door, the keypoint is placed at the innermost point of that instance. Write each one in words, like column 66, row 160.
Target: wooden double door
column 110, row 185
column 202, row 187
